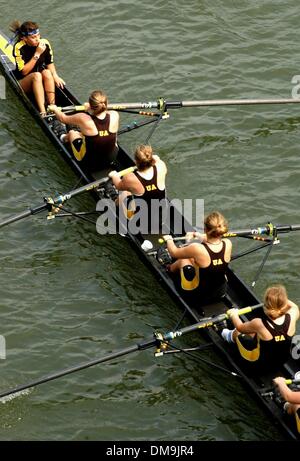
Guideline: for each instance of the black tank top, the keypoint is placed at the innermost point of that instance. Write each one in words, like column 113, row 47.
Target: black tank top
column 277, row 349
column 100, row 148
column 152, row 221
column 213, row 276
column 151, row 190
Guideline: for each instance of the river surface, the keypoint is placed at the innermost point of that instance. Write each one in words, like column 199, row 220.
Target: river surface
column 68, row 295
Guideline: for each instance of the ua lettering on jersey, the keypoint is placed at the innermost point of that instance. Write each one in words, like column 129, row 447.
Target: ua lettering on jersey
column 103, row 133
column 217, row 262
column 151, row 187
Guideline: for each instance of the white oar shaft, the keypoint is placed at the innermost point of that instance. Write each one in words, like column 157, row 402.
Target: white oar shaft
column 200, row 103
column 238, row 102
column 161, row 104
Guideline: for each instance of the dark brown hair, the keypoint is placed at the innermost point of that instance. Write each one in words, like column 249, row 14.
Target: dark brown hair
column 22, row 29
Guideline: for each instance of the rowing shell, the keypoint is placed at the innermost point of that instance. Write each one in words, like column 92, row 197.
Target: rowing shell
column 239, row 294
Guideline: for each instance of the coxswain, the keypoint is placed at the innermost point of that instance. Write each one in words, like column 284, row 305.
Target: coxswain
column 35, row 68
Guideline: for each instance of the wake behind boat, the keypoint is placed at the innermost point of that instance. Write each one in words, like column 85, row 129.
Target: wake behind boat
column 239, row 294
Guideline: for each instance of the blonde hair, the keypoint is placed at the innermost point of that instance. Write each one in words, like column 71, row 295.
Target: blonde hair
column 276, row 301
column 98, row 102
column 144, row 157
column 215, row 224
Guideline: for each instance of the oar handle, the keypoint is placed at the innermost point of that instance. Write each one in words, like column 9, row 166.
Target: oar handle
column 184, row 237
column 91, row 186
column 126, row 171
column 207, row 322
column 72, row 108
column 288, row 382
column 245, row 310
column 175, row 239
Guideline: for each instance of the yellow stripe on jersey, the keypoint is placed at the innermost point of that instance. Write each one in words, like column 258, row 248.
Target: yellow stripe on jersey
column 19, row 60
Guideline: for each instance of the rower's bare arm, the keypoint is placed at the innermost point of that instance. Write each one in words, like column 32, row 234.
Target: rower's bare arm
column 286, row 392
column 228, row 250
column 125, row 183
column 75, row 119
column 28, row 67
column 294, row 309
column 197, row 236
column 114, row 121
column 161, row 162
column 32, row 62
column 186, row 252
column 253, row 326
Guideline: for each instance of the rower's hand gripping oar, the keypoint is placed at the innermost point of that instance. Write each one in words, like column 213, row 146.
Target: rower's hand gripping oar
column 210, row 321
column 271, row 391
column 157, row 341
column 50, row 203
column 70, row 109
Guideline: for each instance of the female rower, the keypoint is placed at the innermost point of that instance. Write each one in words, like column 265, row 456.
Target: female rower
column 202, row 265
column 35, row 68
column 146, row 184
column 292, row 398
column 96, row 143
column 266, row 341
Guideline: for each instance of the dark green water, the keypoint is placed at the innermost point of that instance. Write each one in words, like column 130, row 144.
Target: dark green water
column 67, row 295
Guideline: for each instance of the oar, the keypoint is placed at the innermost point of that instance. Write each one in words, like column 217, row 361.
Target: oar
column 288, row 382
column 157, row 340
column 67, row 371
column 269, row 392
column 67, row 109
column 177, row 239
column 209, row 321
column 52, row 202
column 162, row 104
column 269, row 229
column 72, row 109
